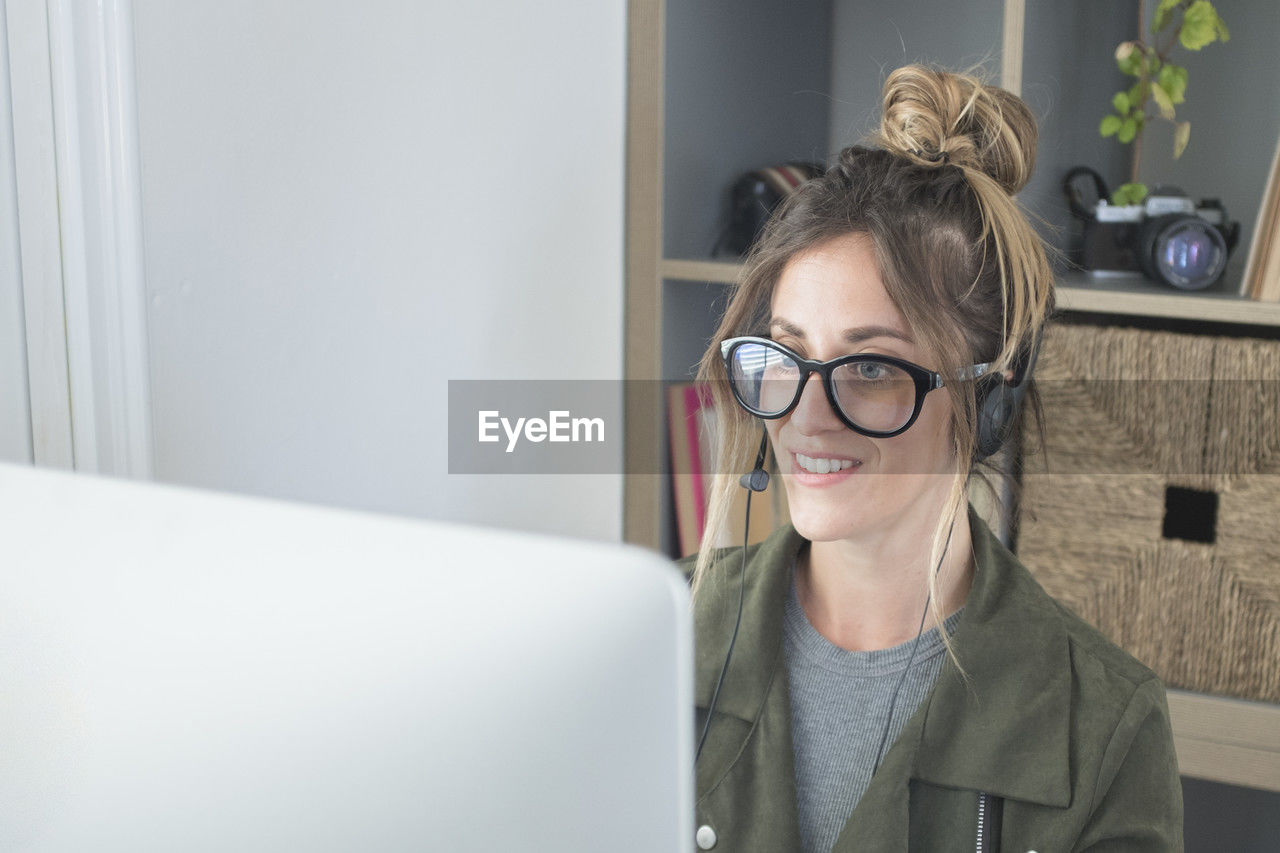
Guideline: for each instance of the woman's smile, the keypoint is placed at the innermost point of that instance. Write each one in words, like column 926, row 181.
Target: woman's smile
column 821, row 470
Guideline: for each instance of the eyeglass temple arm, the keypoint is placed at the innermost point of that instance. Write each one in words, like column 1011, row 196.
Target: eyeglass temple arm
column 972, row 372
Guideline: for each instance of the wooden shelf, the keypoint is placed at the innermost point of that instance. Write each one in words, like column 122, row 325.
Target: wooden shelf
column 717, row 271
column 1081, row 292
column 1227, row 740
column 1138, row 296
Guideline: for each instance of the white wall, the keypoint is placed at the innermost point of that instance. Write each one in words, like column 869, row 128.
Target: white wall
column 345, row 206
column 15, row 410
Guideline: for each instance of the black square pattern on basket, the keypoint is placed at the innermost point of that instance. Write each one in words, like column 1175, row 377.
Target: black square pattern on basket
column 1190, row 514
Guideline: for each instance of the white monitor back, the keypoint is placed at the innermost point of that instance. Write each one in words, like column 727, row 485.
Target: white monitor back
column 193, row 671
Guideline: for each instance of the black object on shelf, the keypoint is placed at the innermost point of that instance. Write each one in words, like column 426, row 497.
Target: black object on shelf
column 752, row 200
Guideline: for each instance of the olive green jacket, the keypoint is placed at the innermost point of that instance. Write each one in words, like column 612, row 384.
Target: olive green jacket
column 1067, row 728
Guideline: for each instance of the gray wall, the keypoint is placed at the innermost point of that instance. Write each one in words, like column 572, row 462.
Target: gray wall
column 752, row 91
column 871, row 39
column 1068, row 77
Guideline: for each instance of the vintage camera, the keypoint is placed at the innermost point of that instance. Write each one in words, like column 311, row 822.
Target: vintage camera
column 1169, row 238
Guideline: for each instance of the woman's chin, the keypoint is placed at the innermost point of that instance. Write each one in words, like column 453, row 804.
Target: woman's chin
column 823, row 524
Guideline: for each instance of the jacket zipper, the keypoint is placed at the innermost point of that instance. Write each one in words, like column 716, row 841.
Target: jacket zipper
column 982, row 819
column 988, row 823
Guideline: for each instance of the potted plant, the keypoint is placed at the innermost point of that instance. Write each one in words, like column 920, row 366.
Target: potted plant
column 1193, row 24
column 1164, row 235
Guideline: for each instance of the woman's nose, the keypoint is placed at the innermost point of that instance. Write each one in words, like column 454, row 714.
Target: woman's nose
column 813, row 414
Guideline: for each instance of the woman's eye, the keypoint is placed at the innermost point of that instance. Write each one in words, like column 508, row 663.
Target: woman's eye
column 871, row 371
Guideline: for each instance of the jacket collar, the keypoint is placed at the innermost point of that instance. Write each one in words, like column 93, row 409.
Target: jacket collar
column 1006, row 732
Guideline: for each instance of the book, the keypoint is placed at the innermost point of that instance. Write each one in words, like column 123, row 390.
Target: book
column 693, row 432
column 689, row 492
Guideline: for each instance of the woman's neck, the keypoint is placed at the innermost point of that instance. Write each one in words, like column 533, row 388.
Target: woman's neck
column 862, row 596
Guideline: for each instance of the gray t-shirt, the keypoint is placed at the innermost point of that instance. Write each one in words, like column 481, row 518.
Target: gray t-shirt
column 839, row 704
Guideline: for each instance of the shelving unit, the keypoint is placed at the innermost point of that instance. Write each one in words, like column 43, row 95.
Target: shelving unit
column 673, row 201
column 1226, row 740
column 1079, row 292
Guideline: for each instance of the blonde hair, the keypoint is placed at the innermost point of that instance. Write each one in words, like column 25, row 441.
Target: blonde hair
column 954, row 249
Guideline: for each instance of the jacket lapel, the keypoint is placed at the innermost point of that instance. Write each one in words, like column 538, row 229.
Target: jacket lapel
column 1007, row 731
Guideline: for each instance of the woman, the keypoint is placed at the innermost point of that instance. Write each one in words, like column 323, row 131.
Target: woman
column 882, row 674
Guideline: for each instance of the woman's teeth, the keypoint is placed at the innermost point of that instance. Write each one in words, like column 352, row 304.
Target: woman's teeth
column 823, row 466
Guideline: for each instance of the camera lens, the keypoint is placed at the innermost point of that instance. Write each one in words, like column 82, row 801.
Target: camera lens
column 1182, row 250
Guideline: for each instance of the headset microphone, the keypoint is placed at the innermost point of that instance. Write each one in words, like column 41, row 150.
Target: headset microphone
column 758, row 479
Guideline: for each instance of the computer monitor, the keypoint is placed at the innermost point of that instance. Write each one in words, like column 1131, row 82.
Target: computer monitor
column 182, row 670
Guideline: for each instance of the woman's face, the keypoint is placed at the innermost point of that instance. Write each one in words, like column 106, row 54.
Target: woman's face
column 829, row 302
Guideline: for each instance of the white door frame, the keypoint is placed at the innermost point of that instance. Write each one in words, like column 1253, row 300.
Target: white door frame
column 15, row 395
column 75, row 134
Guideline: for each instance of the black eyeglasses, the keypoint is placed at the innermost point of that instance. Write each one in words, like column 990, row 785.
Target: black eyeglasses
column 875, row 395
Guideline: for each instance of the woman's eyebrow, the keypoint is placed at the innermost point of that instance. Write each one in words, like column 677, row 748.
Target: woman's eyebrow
column 855, row 335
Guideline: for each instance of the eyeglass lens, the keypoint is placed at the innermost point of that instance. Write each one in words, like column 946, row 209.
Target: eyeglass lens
column 875, row 395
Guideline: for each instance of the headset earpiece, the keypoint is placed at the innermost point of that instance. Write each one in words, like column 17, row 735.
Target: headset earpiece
column 998, row 403
column 997, row 412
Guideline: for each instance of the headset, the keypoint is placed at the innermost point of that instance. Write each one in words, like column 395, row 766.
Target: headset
column 999, row 402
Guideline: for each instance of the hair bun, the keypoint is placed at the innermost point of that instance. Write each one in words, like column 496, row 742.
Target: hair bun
column 934, row 117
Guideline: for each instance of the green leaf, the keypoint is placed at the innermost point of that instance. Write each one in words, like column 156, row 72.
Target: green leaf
column 1109, row 125
column 1121, row 103
column 1181, row 136
column 1129, row 194
column 1199, row 25
column 1129, row 58
column 1128, row 130
column 1173, row 79
column 1163, row 13
column 1220, row 27
column 1163, row 101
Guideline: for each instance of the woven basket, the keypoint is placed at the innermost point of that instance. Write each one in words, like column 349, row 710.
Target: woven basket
column 1129, row 414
